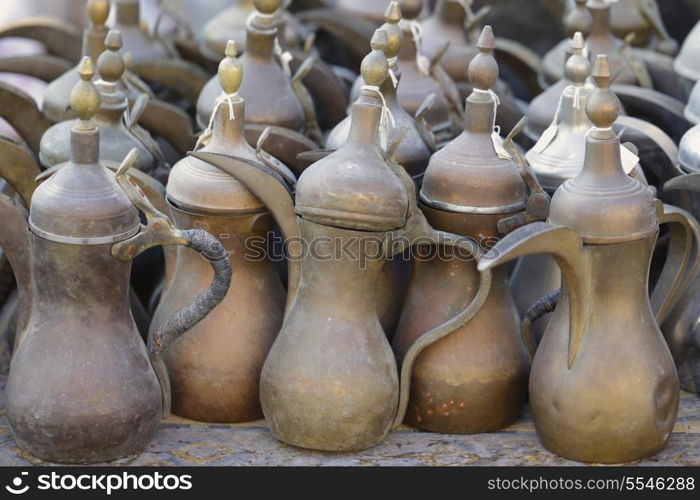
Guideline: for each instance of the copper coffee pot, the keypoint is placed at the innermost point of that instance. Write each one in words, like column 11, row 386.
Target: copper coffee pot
column 215, row 369
column 603, row 385
column 81, row 387
column 417, row 143
column 118, row 125
column 331, row 339
column 273, row 97
column 475, row 380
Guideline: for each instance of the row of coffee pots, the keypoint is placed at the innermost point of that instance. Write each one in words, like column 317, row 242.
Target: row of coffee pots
column 316, row 361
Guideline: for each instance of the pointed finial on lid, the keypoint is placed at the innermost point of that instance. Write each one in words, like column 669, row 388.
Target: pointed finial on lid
column 84, row 98
column 230, row 70
column 483, row 69
column 393, row 31
column 110, row 64
column 603, row 107
column 392, row 15
column 577, row 66
column 374, row 68
column 411, row 9
column 98, row 12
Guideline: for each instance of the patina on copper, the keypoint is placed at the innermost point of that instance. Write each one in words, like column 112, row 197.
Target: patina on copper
column 331, row 339
column 476, row 379
column 81, row 386
column 603, row 384
column 215, row 369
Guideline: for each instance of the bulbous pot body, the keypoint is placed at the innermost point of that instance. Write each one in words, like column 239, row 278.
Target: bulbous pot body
column 330, row 381
column 81, row 386
column 215, row 369
column 619, row 399
column 475, row 380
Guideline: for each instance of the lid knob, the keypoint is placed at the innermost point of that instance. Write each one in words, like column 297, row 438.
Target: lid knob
column 411, row 9
column 230, row 70
column 577, row 66
column 84, row 98
column 603, row 107
column 483, row 69
column 98, row 12
column 374, row 68
column 392, row 16
column 110, row 64
column 267, row 7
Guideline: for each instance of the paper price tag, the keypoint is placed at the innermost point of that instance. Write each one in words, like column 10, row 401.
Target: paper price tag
column 629, row 159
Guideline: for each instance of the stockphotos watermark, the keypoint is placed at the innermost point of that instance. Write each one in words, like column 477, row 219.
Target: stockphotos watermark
column 363, row 249
column 107, row 483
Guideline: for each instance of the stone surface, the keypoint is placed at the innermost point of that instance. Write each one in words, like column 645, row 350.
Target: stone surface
column 182, row 442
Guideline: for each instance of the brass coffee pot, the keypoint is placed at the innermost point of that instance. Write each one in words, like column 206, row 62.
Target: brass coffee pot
column 542, row 109
column 230, row 23
column 271, row 98
column 423, row 77
column 456, row 22
column 475, row 380
column 624, row 65
column 215, row 369
column 81, row 387
column 417, row 143
column 331, row 338
column 603, row 385
column 143, row 46
column 641, row 17
column 117, row 123
column 560, row 149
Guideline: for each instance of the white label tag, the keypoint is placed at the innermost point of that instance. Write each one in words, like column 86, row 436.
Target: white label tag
column 629, row 159
column 546, row 138
column 498, row 146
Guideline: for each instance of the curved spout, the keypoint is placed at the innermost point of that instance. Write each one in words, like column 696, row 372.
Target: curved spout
column 14, row 239
column 566, row 247
column 265, row 184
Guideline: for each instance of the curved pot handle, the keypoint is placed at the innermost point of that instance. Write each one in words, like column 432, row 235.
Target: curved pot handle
column 679, row 269
column 419, row 228
column 160, row 231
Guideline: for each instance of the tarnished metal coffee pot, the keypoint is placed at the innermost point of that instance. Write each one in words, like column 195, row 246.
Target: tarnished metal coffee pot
column 643, row 18
column 681, row 327
column 117, row 123
column 230, row 23
column 81, row 387
column 331, row 340
column 476, row 379
column 423, row 77
column 215, row 369
column 143, row 46
column 414, row 150
column 603, row 385
column 270, row 96
column 626, row 68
